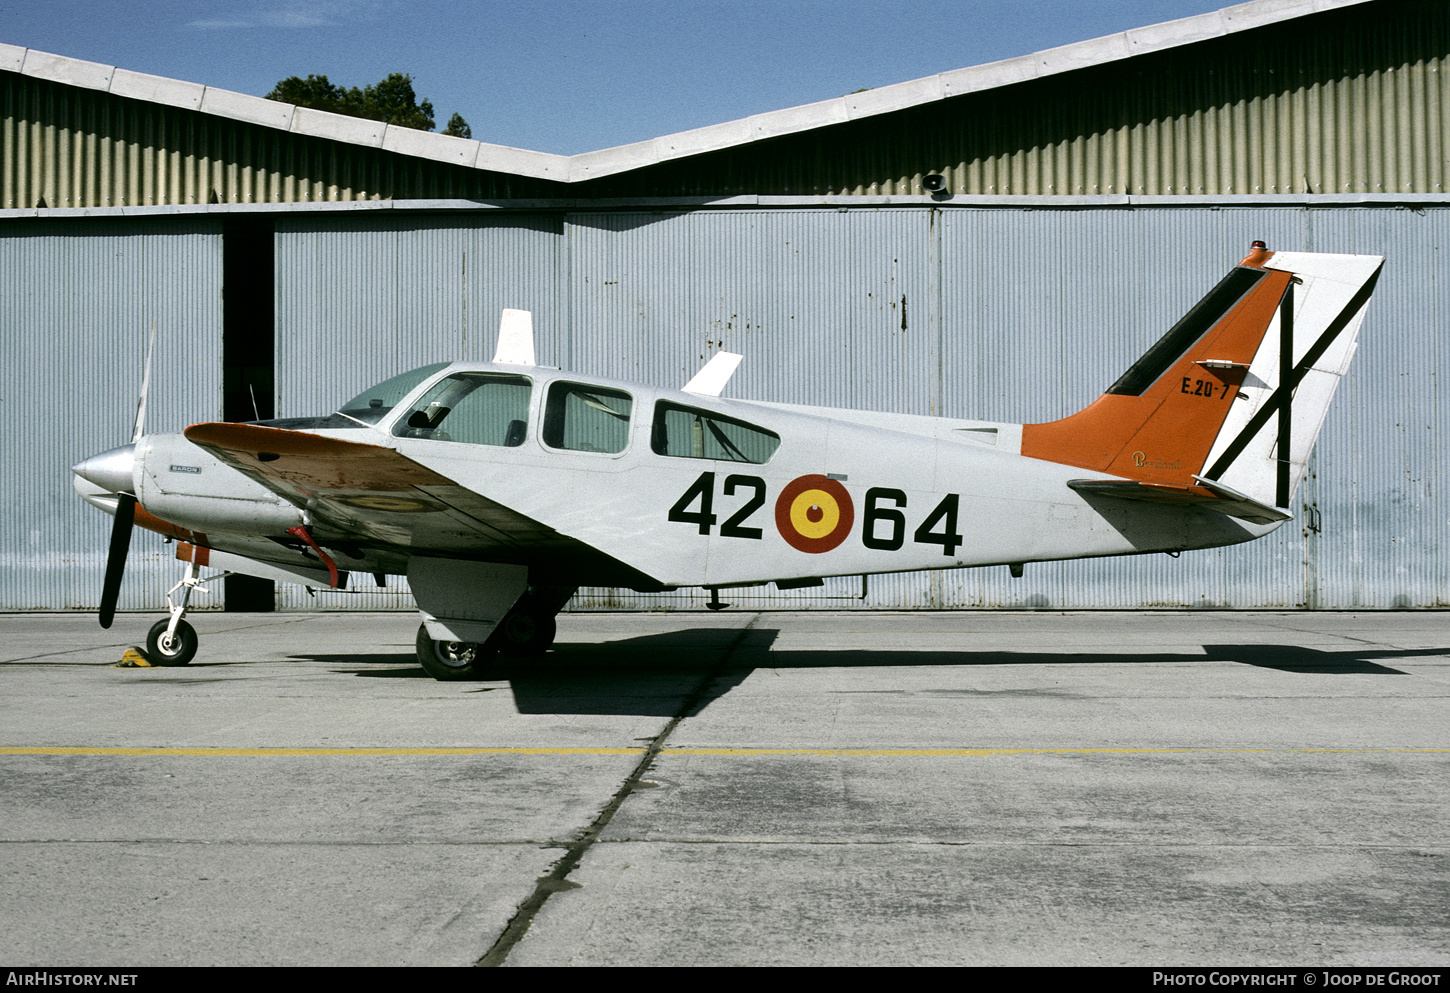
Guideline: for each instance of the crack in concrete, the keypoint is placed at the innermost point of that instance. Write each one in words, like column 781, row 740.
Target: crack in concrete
column 556, row 880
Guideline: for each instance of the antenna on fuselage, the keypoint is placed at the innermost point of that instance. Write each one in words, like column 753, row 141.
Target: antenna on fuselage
column 713, row 375
column 515, row 338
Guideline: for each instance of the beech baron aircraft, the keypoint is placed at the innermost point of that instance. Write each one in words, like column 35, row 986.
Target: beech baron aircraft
column 500, row 488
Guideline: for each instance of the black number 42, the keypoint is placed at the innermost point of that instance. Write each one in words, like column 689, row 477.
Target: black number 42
column 702, row 492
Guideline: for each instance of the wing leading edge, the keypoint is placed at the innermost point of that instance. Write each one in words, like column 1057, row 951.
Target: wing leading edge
column 355, row 491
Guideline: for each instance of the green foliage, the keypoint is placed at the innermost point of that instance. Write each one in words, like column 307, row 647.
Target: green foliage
column 458, row 127
column 389, row 100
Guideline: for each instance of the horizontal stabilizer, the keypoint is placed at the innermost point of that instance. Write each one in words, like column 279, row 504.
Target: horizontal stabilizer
column 1218, row 498
column 1248, row 508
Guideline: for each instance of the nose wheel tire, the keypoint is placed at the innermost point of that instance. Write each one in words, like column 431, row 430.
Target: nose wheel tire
column 178, row 651
column 450, row 660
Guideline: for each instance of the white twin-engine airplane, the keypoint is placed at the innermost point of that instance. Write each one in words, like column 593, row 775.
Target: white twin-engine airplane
column 500, row 488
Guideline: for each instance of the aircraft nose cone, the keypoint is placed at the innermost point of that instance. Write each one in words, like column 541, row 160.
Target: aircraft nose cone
column 110, row 470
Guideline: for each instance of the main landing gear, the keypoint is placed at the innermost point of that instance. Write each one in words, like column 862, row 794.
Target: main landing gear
column 449, row 660
column 526, row 631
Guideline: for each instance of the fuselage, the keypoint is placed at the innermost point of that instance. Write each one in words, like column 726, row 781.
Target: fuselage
column 685, row 489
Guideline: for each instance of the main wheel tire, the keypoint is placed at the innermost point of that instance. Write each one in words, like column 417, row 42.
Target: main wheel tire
column 525, row 633
column 178, row 651
column 450, row 660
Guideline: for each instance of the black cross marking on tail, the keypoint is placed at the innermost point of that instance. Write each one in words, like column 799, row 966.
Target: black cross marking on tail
column 1283, row 395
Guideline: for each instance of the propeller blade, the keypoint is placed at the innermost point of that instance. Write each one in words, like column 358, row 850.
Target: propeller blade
column 116, row 557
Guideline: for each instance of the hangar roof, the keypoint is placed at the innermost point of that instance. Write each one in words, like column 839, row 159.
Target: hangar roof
column 625, row 158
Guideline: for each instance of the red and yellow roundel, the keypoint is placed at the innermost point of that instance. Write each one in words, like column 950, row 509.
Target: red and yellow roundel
column 814, row 514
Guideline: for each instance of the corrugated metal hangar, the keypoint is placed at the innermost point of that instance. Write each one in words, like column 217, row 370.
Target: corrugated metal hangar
column 1089, row 196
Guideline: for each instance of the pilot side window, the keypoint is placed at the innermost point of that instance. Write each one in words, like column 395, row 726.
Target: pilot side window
column 582, row 418
column 686, row 433
column 472, row 408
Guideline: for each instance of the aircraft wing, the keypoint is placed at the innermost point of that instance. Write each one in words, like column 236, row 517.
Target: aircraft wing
column 373, row 494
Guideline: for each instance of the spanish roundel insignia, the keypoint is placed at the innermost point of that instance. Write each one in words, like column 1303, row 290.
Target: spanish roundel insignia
column 814, row 514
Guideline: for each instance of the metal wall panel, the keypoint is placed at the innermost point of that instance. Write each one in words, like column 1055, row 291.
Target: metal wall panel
column 1039, row 311
column 79, row 302
column 1045, row 309
column 827, row 306
column 1380, row 469
column 358, row 302
column 1083, row 277
column 835, row 308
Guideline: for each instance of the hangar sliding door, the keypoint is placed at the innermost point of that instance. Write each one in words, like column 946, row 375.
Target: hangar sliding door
column 1043, row 309
column 1026, row 315
column 829, row 307
column 80, row 299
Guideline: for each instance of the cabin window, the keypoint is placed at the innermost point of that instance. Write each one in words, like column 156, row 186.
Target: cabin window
column 687, row 433
column 373, row 403
column 580, row 418
column 472, row 408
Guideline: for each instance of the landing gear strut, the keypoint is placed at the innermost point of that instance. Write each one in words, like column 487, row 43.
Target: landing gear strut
column 173, row 641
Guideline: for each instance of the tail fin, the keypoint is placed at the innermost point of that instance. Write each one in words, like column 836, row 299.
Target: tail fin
column 1225, row 408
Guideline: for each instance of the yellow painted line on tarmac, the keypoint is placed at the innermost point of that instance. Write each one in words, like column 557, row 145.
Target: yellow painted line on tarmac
column 667, row 752
column 987, row 752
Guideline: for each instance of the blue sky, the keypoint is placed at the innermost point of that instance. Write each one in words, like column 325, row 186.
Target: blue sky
column 569, row 76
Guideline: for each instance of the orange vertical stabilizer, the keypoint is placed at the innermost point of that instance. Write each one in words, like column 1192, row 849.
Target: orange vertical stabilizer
column 1159, row 421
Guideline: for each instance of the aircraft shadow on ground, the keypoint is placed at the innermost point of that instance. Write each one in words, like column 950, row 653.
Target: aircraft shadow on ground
column 654, row 675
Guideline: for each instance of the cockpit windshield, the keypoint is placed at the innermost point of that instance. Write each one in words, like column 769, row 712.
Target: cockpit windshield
column 373, row 403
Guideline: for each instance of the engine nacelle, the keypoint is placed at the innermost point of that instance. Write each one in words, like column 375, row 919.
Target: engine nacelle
column 179, row 482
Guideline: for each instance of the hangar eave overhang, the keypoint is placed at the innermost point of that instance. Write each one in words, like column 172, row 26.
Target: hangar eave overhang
column 627, row 158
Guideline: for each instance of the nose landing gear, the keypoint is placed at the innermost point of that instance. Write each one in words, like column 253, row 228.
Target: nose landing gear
column 165, row 646
column 173, row 641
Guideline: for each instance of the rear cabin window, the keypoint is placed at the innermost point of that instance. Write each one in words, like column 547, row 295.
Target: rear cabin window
column 581, row 418
column 687, row 433
column 472, row 408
